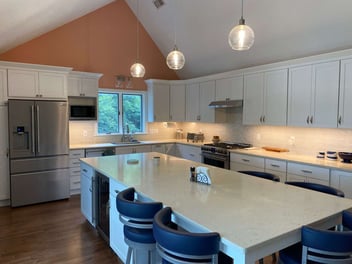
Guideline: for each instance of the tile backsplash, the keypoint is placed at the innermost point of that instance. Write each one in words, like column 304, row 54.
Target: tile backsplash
column 307, row 141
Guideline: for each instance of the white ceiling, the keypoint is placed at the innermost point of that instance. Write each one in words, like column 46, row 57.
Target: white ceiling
column 284, row 29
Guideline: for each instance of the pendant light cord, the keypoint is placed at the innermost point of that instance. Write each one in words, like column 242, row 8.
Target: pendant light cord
column 175, row 35
column 242, row 10
column 137, row 31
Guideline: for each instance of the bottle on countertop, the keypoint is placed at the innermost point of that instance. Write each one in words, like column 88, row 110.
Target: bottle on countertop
column 193, row 174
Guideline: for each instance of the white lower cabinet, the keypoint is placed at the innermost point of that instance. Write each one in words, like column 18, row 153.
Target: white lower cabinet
column 133, row 149
column 276, row 167
column 307, row 173
column 117, row 242
column 87, row 191
column 241, row 162
column 75, row 170
column 168, row 148
column 342, row 180
column 189, row 152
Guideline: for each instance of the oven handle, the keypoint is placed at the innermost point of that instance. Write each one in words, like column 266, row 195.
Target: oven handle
column 215, row 157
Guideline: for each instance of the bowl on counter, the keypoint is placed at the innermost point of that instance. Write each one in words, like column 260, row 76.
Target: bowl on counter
column 346, row 157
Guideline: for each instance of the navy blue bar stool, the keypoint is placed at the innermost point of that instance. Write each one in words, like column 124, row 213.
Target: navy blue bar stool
column 137, row 218
column 317, row 187
column 321, row 246
column 263, row 175
column 181, row 247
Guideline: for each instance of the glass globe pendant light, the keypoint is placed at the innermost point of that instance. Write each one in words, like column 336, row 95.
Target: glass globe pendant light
column 175, row 60
column 137, row 69
column 241, row 37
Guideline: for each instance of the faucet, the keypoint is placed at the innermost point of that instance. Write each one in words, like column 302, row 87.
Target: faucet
column 126, row 137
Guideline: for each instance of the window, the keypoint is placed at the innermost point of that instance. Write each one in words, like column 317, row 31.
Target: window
column 116, row 110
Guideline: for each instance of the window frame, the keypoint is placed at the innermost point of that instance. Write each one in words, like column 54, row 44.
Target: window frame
column 120, row 93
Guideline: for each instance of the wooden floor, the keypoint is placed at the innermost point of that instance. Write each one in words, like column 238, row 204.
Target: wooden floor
column 54, row 232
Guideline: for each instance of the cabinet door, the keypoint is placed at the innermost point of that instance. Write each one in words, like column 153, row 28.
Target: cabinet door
column 189, row 152
column 342, row 180
column 87, row 193
column 73, row 86
column 3, row 86
column 345, row 106
column 253, row 99
column 192, row 102
column 229, row 88
column 52, row 85
column 206, row 95
column 299, row 96
column 177, row 102
column 158, row 102
column 22, row 83
column 275, row 98
column 326, row 93
column 123, row 150
column 89, row 87
column 4, row 169
column 158, row 148
column 142, row 149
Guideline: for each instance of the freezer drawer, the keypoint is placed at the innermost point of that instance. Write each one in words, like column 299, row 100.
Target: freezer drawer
column 30, row 188
column 39, row 164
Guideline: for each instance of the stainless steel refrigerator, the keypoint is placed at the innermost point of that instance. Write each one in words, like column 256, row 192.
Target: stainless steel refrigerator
column 38, row 143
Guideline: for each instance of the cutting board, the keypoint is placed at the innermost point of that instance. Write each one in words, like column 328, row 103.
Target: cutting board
column 275, row 149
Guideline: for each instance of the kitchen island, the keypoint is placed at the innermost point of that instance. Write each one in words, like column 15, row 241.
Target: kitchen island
column 254, row 217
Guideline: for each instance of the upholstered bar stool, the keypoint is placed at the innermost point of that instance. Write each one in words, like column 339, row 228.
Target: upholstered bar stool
column 263, row 175
column 321, row 246
column 182, row 247
column 137, row 218
column 317, row 187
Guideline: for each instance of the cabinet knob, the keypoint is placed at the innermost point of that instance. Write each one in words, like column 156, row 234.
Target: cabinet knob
column 307, row 120
column 340, row 120
column 311, row 119
column 263, row 118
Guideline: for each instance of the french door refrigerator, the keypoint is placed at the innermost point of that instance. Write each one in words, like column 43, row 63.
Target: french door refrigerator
column 38, row 144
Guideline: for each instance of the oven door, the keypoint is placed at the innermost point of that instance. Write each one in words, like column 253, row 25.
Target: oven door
column 217, row 160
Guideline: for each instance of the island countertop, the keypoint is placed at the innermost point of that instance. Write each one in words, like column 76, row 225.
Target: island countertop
column 254, row 217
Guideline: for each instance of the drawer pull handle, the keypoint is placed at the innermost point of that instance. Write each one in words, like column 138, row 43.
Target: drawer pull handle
column 76, row 154
column 306, row 171
column 274, row 165
column 246, row 160
column 85, row 170
column 192, row 155
column 76, row 182
column 116, row 191
column 76, row 171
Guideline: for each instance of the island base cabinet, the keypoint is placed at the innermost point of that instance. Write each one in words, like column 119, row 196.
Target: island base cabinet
column 342, row 180
column 117, row 242
column 88, row 203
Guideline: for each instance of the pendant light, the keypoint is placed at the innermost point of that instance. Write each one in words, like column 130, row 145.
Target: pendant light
column 241, row 37
column 137, row 69
column 175, row 60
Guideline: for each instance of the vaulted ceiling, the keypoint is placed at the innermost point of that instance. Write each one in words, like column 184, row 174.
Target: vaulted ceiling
column 284, row 29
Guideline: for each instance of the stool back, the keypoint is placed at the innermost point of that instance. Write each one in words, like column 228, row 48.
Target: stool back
column 317, row 187
column 263, row 175
column 179, row 246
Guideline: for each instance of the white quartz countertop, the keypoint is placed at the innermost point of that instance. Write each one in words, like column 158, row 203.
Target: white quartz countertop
column 253, row 216
column 144, row 142
column 288, row 156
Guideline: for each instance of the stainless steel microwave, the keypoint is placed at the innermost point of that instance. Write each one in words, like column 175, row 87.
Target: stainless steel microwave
column 82, row 108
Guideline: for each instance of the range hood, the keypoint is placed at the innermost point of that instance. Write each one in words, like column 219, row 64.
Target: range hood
column 226, row 104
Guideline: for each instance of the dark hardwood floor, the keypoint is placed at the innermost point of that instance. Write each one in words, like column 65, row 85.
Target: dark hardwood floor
column 54, row 232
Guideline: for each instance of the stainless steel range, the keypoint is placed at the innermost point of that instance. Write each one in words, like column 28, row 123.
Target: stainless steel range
column 218, row 154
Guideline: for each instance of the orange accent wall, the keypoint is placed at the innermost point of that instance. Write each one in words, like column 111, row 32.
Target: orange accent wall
column 104, row 41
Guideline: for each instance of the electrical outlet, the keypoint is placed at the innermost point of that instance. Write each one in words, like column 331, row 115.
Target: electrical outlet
column 259, row 136
column 85, row 133
column 292, row 140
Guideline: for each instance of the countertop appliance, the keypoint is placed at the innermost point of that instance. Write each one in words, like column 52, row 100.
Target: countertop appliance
column 218, row 154
column 38, row 143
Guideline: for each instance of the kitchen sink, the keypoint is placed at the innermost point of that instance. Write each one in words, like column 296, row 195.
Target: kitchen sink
column 127, row 142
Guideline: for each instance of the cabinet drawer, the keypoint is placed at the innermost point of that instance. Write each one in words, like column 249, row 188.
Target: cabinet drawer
column 275, row 165
column 74, row 163
column 247, row 159
column 76, row 154
column 75, row 171
column 308, row 171
column 87, row 170
column 75, row 182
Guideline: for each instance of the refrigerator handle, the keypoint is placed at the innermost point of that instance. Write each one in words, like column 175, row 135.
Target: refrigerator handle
column 38, row 125
column 32, row 126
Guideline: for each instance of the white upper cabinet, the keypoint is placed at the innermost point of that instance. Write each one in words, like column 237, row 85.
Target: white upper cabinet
column 177, row 102
column 36, row 81
column 83, row 84
column 313, row 95
column 198, row 97
column 345, row 106
column 3, row 86
column 158, row 101
column 229, row 88
column 265, row 98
